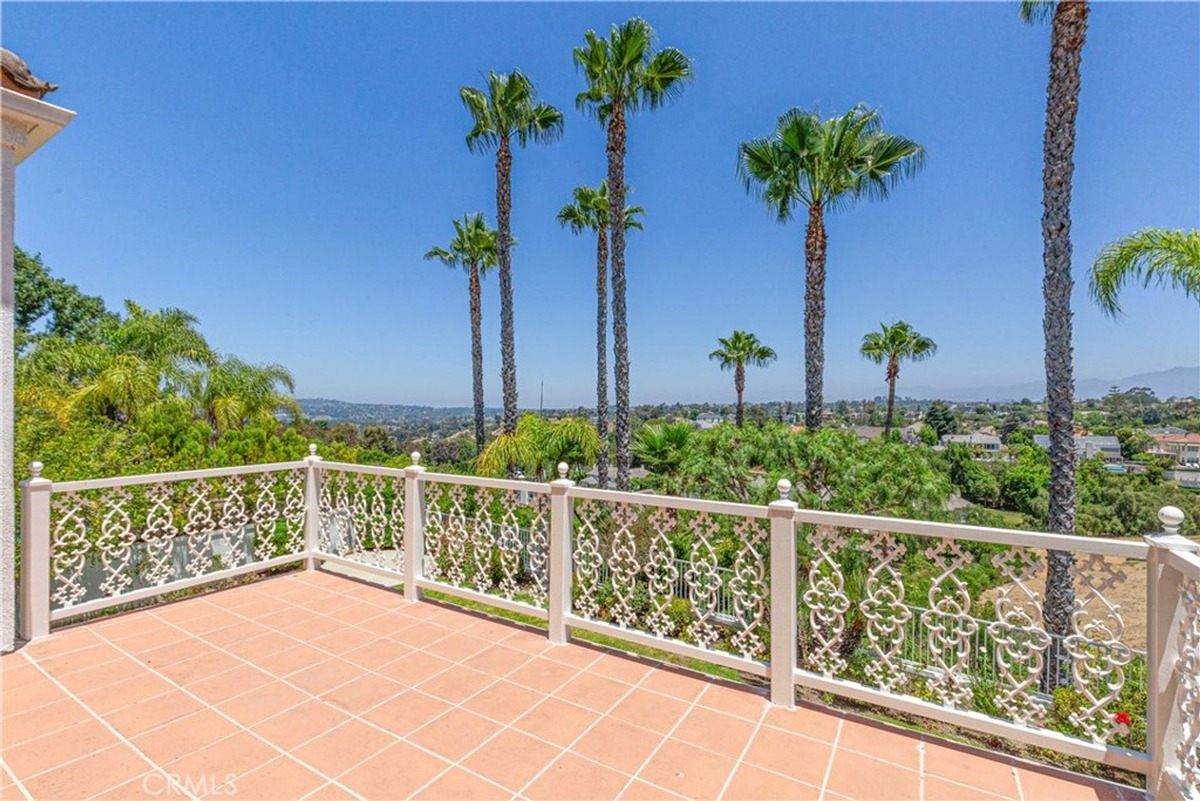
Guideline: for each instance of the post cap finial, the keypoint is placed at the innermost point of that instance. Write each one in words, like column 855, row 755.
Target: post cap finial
column 1171, row 517
column 35, row 469
column 562, row 469
column 784, row 487
column 416, row 457
column 312, row 449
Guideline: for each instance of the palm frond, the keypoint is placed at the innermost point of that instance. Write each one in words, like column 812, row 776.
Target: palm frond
column 1167, row 258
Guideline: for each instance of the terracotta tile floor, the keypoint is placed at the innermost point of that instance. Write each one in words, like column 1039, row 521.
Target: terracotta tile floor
column 312, row 685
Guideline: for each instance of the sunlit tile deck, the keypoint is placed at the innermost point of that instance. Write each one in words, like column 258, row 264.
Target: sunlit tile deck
column 319, row 686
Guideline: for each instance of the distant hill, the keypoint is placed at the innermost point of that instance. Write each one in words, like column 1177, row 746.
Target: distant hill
column 1179, row 382
column 338, row 411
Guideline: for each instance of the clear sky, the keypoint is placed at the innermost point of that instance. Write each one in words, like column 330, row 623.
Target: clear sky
column 279, row 170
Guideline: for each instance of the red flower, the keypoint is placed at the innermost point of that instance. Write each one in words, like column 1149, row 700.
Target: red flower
column 1123, row 718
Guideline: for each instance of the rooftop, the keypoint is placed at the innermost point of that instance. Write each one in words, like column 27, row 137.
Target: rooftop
column 313, row 685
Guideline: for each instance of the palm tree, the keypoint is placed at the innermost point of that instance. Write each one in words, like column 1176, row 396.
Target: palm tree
column 1067, row 32
column 1154, row 255
column 508, row 109
column 624, row 75
column 826, row 165
column 736, row 351
column 539, row 445
column 590, row 212
column 232, row 392
column 892, row 344
column 473, row 248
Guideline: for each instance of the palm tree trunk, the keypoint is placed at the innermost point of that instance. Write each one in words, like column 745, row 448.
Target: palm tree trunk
column 477, row 356
column 616, row 217
column 1062, row 105
column 508, row 358
column 814, row 316
column 893, row 372
column 602, row 355
column 739, row 384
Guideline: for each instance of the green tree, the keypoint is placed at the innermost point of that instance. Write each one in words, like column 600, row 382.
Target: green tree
column 508, row 109
column 474, row 249
column 1153, row 255
column 1009, row 426
column 539, row 445
column 941, row 419
column 590, row 212
column 233, row 393
column 58, row 307
column 890, row 345
column 825, row 165
column 1067, row 32
column 736, row 351
column 624, row 75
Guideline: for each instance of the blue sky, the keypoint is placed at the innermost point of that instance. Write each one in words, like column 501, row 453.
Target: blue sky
column 279, row 170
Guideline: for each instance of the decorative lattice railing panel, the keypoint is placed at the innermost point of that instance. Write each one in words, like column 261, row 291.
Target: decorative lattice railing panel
column 693, row 576
column 361, row 517
column 962, row 624
column 492, row 540
column 114, row 540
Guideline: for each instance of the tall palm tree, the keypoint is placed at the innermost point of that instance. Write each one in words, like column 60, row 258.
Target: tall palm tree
column 892, row 344
column 590, row 212
column 508, row 109
column 1068, row 29
column 736, row 351
column 474, row 249
column 1153, row 255
column 624, row 75
column 825, row 165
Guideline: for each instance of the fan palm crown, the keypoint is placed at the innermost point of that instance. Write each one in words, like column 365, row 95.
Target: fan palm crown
column 890, row 345
column 736, row 351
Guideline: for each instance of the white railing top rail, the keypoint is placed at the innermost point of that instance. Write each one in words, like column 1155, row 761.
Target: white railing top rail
column 668, row 502
column 517, row 485
column 1186, row 563
column 166, row 478
column 362, row 469
column 1132, row 549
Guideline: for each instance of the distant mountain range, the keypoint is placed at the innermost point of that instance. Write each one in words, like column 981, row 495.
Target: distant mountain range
column 1178, row 382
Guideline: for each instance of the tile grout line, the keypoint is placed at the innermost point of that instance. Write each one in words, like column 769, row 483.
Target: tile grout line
column 213, row 708
column 504, row 726
column 745, row 750
column 1020, row 788
column 396, row 737
column 634, row 776
column 921, row 768
column 832, row 756
column 532, row 657
column 584, row 733
column 120, row 737
column 16, row 782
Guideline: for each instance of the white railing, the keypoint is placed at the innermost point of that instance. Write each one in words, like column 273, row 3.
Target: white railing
column 875, row 609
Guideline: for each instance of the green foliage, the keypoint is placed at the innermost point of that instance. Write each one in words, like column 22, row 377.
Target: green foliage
column 941, row 419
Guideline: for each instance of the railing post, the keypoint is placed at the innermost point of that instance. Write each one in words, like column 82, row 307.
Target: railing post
column 312, row 508
column 562, row 515
column 1165, row 614
column 414, row 528
column 35, row 554
column 782, row 517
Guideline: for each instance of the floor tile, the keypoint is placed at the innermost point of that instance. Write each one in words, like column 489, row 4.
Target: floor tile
column 454, row 734
column 687, row 770
column 512, row 758
column 618, row 744
column 396, row 772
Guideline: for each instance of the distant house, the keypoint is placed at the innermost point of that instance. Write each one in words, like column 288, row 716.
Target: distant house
column 987, row 444
column 1165, row 430
column 1183, row 448
column 706, row 420
column 868, row 433
column 1188, row 479
column 1087, row 447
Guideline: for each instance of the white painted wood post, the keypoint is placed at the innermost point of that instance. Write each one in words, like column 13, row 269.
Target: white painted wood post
column 781, row 514
column 562, row 514
column 312, row 508
column 35, row 554
column 414, row 528
column 1165, row 614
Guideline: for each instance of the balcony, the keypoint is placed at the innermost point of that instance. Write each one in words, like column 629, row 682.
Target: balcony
column 319, row 683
